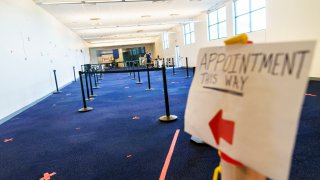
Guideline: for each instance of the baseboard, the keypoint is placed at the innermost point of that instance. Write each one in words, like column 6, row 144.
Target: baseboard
column 10, row 116
column 314, row 79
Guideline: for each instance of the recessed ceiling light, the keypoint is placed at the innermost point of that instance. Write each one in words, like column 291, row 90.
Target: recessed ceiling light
column 146, row 16
column 88, row 3
column 159, row 1
column 94, row 19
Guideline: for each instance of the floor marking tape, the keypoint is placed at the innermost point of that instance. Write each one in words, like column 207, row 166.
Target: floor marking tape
column 167, row 162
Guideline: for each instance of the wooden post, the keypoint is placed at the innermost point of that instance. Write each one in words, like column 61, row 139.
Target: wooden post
column 232, row 172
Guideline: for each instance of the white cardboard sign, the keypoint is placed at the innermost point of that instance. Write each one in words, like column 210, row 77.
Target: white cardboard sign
column 245, row 100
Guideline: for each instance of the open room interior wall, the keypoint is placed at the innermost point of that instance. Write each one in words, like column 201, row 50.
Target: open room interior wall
column 287, row 20
column 294, row 20
column 158, row 49
column 33, row 44
column 93, row 56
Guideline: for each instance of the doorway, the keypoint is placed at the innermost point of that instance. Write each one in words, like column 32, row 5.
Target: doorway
column 177, row 59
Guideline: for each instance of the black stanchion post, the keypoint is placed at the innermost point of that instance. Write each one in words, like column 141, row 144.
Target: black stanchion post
column 149, row 84
column 173, row 70
column 194, row 70
column 187, row 68
column 55, row 79
column 95, row 76
column 163, row 64
column 95, row 80
column 139, row 80
column 100, row 68
column 129, row 67
column 134, row 73
column 85, row 108
column 166, row 117
column 74, row 74
column 90, row 81
column 87, row 87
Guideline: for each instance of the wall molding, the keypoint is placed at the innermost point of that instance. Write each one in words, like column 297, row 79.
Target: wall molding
column 314, row 78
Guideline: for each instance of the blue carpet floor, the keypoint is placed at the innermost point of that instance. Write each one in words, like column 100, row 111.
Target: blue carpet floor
column 107, row 143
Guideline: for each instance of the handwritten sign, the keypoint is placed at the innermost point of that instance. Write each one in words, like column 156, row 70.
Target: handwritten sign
column 245, row 100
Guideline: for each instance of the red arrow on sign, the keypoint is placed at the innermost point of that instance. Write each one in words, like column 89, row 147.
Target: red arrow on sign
column 221, row 128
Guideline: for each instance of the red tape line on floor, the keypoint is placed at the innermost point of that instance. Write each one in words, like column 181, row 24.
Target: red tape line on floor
column 8, row 140
column 47, row 176
column 167, row 162
column 310, row 94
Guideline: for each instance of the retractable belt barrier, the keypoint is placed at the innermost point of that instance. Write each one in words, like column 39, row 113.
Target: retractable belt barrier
column 167, row 117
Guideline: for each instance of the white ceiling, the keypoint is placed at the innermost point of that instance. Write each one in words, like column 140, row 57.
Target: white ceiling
column 123, row 21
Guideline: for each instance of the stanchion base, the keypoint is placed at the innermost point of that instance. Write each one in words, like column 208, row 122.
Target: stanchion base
column 168, row 118
column 139, row 82
column 93, row 95
column 90, row 99
column 57, row 92
column 85, row 109
column 151, row 89
column 97, row 87
column 187, row 77
column 133, row 78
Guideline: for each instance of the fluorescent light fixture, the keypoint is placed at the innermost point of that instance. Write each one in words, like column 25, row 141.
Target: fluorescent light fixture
column 119, row 36
column 160, row 1
column 94, row 19
column 145, row 16
column 133, row 25
column 122, row 40
column 55, row 3
column 95, row 2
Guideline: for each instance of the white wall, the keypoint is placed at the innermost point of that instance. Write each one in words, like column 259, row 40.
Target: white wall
column 33, row 44
column 287, row 20
column 291, row 20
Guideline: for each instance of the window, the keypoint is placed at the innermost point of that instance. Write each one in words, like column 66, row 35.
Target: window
column 217, row 24
column 165, row 37
column 189, row 33
column 250, row 15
